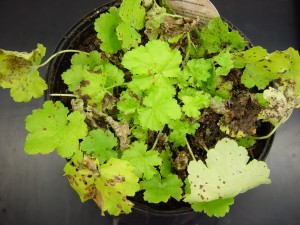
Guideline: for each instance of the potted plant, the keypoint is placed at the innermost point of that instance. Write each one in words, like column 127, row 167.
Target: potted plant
column 162, row 111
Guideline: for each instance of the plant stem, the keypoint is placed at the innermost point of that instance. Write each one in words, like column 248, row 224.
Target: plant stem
column 62, row 95
column 57, row 54
column 189, row 148
column 188, row 49
column 156, row 141
column 274, row 129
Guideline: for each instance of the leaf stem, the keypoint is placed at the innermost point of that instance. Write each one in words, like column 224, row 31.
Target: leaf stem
column 274, row 129
column 62, row 95
column 188, row 49
column 59, row 53
column 156, row 141
column 190, row 150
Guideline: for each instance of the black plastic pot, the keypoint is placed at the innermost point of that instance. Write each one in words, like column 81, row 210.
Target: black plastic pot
column 79, row 38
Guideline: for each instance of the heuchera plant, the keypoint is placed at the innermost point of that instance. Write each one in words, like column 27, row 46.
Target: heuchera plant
column 164, row 108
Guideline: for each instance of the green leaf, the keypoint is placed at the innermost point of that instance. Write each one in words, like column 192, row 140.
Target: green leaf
column 129, row 36
column 262, row 68
column 128, row 103
column 143, row 160
column 225, row 63
column 193, row 104
column 106, row 26
column 91, row 60
column 133, row 13
column 52, row 128
column 223, row 174
column 246, row 142
column 92, row 88
column 19, row 72
column 160, row 190
column 217, row 208
column 155, row 58
column 166, row 165
column 133, row 16
column 73, row 76
column 216, row 37
column 287, row 64
column 199, row 69
column 92, row 78
column 252, row 55
column 100, row 144
column 160, row 109
column 258, row 74
column 114, row 76
column 179, row 131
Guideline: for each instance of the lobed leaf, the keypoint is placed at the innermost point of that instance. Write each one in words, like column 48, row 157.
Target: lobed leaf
column 223, row 174
column 155, row 58
column 19, row 72
column 106, row 26
column 54, row 128
column 161, row 190
column 143, row 160
column 100, row 144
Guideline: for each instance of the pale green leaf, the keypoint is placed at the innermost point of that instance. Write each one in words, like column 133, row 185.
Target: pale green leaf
column 223, row 174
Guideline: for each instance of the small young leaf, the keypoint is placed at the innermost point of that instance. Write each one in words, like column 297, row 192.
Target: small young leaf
column 52, row 128
column 143, row 161
column 100, row 144
column 246, row 142
column 225, row 63
column 193, row 104
column 19, row 72
column 179, row 131
column 199, row 69
column 160, row 190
